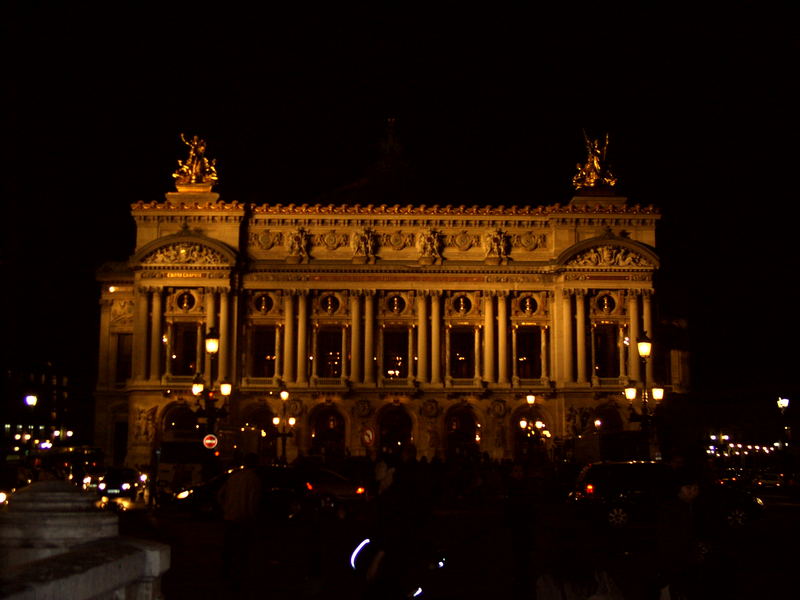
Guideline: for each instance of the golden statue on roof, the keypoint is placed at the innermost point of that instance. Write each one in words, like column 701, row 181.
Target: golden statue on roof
column 196, row 173
column 595, row 172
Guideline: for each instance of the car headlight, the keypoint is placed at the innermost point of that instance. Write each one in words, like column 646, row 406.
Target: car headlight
column 184, row 494
column 126, row 486
column 3, row 497
column 87, row 480
column 759, row 501
column 101, row 486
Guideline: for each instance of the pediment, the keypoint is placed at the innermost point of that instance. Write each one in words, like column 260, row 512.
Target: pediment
column 609, row 253
column 185, row 251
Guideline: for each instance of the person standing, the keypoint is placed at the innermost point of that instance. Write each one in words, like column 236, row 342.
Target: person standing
column 240, row 499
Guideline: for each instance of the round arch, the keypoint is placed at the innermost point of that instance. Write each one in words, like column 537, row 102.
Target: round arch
column 531, row 433
column 623, row 243
column 327, row 427
column 226, row 254
column 462, row 432
column 257, row 433
column 395, row 429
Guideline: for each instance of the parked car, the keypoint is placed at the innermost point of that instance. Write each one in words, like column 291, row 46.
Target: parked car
column 119, row 488
column 624, row 493
column 768, row 479
column 287, row 492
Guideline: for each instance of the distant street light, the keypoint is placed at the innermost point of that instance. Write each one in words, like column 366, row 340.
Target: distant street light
column 31, row 400
column 285, row 426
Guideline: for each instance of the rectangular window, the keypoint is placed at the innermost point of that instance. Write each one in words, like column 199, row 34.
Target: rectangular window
column 395, row 353
column 529, row 352
column 329, row 352
column 263, row 356
column 184, row 349
column 606, row 350
column 123, row 368
column 462, row 352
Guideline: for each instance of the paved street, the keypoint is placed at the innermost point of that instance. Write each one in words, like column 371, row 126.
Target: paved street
column 310, row 560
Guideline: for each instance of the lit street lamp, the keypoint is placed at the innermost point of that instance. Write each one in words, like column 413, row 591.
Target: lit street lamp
column 645, row 347
column 285, row 426
column 206, row 396
column 783, row 404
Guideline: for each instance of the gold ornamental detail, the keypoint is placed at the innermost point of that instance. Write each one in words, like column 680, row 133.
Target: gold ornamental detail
column 595, row 172
column 196, row 173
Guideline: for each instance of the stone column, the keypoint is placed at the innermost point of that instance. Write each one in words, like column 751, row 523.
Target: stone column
column 514, row 357
column 567, row 319
column 140, row 335
column 621, row 350
column 488, row 337
column 211, row 321
column 476, row 352
column 580, row 309
column 448, row 373
column 436, row 338
column 315, row 352
column 278, row 352
column 345, row 366
column 647, row 321
column 170, row 346
column 422, row 338
column 355, row 338
column 288, row 338
column 410, row 355
column 105, row 375
column 545, row 352
column 502, row 338
column 634, row 360
column 302, row 338
column 225, row 345
column 155, row 336
column 369, row 338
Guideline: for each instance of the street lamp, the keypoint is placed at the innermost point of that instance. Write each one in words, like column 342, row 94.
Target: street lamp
column 285, row 426
column 206, row 396
column 783, row 404
column 645, row 348
column 31, row 399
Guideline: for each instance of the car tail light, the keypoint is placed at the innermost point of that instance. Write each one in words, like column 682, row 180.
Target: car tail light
column 590, row 488
column 309, row 486
column 360, row 490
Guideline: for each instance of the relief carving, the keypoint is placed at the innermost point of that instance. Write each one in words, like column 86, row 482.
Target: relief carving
column 184, row 253
column 529, row 240
column 298, row 246
column 609, row 256
column 330, row 240
column 266, row 239
column 121, row 312
column 463, row 240
column 364, row 246
column 397, row 240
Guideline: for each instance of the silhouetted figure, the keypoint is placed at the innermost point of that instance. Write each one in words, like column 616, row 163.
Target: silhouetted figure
column 681, row 552
column 240, row 500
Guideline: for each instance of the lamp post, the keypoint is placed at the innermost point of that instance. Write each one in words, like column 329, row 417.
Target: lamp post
column 645, row 347
column 783, row 404
column 285, row 426
column 206, row 395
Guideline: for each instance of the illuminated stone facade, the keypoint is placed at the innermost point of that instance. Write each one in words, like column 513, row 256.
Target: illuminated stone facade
column 388, row 325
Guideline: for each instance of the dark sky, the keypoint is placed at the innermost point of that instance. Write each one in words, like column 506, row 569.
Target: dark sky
column 700, row 105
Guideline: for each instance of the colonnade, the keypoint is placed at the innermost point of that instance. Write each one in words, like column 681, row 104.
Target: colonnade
column 565, row 357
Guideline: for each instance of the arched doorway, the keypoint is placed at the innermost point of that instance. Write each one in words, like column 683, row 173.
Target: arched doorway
column 181, row 459
column 327, row 433
column 462, row 433
column 531, row 436
column 394, row 427
column 258, row 434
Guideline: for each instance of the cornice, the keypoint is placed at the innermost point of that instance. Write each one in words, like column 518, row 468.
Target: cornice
column 449, row 210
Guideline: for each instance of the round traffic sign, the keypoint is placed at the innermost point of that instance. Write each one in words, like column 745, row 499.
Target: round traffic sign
column 210, row 441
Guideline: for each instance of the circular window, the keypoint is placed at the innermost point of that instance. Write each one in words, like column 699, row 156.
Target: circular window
column 462, row 304
column 396, row 304
column 263, row 303
column 185, row 301
column 330, row 303
column 606, row 303
column 528, row 305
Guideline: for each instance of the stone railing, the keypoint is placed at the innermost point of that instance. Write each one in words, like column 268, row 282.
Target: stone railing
column 55, row 544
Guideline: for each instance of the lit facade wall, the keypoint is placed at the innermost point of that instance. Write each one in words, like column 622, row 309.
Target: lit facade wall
column 388, row 325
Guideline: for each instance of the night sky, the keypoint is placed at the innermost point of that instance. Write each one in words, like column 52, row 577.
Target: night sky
column 700, row 105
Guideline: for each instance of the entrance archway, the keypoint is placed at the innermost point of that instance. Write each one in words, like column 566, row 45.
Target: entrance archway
column 327, row 433
column 394, row 427
column 258, row 434
column 531, row 436
column 462, row 433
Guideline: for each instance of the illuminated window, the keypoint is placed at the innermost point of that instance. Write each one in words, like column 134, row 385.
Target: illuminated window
column 262, row 357
column 395, row 353
column 329, row 352
column 462, row 352
column 529, row 352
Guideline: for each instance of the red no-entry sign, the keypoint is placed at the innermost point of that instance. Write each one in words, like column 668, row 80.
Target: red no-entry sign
column 210, row 441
